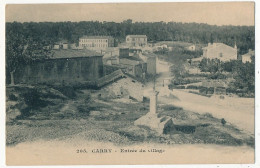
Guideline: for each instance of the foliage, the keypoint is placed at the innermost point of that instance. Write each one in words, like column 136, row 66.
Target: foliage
column 49, row 32
column 22, row 46
column 67, row 91
column 223, row 121
column 244, row 75
column 183, row 81
column 32, row 99
column 211, row 65
column 217, row 75
column 12, row 97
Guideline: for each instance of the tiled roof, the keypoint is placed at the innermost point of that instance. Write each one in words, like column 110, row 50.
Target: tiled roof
column 95, row 37
column 56, row 54
column 215, row 45
column 143, row 36
column 112, row 77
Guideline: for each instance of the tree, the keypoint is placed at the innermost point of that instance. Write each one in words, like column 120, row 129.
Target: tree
column 244, row 75
column 15, row 45
column 211, row 65
column 21, row 49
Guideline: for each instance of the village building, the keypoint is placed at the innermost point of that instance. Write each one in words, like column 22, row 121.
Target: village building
column 132, row 65
column 62, row 44
column 97, row 43
column 136, row 40
column 124, row 52
column 220, row 51
column 119, row 84
column 150, row 59
column 63, row 66
column 110, row 52
column 72, row 46
column 114, row 60
column 135, row 51
column 247, row 57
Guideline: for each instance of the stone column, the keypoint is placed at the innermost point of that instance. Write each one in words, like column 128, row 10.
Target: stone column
column 153, row 102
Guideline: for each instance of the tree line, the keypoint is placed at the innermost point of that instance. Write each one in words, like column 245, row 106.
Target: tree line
column 50, row 32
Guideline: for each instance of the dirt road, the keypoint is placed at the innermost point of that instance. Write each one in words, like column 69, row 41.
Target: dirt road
column 237, row 111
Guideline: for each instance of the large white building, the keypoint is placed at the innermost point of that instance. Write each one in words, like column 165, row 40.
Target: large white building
column 221, row 51
column 247, row 57
column 136, row 40
column 96, row 42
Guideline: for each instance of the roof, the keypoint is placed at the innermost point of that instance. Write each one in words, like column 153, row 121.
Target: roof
column 57, row 54
column 95, row 37
column 136, row 36
column 112, row 77
column 150, row 55
column 215, row 45
column 249, row 54
column 134, row 58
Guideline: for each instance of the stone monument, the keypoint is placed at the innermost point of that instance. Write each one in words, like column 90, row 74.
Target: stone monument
column 151, row 119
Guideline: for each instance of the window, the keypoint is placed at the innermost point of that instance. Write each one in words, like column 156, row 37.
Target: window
column 220, row 54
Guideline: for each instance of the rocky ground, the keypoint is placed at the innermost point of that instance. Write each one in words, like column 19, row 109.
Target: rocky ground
column 64, row 116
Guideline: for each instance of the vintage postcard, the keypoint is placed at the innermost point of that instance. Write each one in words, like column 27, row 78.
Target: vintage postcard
column 130, row 83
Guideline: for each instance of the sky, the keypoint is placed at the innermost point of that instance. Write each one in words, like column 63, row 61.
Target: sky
column 213, row 13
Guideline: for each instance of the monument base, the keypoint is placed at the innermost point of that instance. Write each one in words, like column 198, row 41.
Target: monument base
column 161, row 125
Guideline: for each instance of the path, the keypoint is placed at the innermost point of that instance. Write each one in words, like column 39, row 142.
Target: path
column 237, row 111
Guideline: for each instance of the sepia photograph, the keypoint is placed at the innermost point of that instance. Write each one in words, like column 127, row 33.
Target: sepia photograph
column 130, row 83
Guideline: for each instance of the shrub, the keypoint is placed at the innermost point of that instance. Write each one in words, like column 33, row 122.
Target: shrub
column 32, row 99
column 67, row 91
column 208, row 115
column 83, row 109
column 217, row 76
column 223, row 121
column 12, row 97
column 192, row 87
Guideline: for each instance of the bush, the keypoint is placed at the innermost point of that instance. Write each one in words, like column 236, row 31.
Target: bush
column 182, row 81
column 171, row 86
column 217, row 76
column 192, row 87
column 12, row 97
column 205, row 90
column 67, row 91
column 208, row 115
column 83, row 109
column 223, row 121
column 32, row 99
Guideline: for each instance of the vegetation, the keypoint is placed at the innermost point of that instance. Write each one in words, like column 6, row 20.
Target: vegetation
column 27, row 41
column 48, row 32
column 111, row 121
column 242, row 73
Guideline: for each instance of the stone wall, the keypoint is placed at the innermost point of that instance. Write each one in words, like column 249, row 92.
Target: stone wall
column 69, row 70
